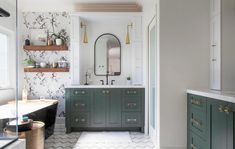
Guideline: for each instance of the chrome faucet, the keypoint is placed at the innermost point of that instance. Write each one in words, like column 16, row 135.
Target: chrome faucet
column 107, row 78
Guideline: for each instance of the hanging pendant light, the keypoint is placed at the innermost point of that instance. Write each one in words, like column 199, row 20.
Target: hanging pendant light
column 128, row 33
column 85, row 38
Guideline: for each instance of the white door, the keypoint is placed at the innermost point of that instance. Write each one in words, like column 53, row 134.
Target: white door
column 215, row 50
column 152, row 78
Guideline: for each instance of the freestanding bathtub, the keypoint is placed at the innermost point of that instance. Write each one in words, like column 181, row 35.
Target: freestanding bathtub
column 37, row 110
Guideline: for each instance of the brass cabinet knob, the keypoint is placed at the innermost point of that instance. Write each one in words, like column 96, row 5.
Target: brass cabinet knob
column 83, row 92
column 83, row 120
column 107, row 92
column 103, row 91
column 227, row 110
column 220, row 108
column 76, row 120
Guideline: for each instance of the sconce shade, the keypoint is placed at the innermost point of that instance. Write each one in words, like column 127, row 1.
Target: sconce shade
column 128, row 41
column 85, row 38
column 128, row 37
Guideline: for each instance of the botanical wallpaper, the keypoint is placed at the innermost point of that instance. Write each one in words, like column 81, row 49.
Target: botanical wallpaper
column 45, row 85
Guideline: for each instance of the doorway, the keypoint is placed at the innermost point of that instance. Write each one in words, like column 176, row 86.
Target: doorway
column 152, row 93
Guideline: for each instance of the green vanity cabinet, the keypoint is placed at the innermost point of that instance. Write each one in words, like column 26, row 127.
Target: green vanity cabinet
column 98, row 108
column 104, row 109
column 114, row 108
column 211, row 123
column 222, row 125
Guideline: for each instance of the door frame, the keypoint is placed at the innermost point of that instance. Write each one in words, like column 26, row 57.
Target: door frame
column 152, row 131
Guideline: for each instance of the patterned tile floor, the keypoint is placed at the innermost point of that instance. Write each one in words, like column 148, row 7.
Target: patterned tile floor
column 60, row 140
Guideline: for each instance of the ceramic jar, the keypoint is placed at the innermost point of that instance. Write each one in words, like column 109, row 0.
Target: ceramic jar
column 58, row 42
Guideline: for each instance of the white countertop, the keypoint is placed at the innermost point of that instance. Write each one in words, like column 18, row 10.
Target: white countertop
column 104, row 86
column 228, row 96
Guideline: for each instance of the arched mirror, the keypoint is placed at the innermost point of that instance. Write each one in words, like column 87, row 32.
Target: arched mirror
column 107, row 55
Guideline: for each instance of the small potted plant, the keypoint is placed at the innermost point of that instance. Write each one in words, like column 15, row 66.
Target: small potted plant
column 30, row 63
column 61, row 37
column 128, row 80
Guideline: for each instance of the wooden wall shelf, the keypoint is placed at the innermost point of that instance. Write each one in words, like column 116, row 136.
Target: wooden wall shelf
column 46, row 69
column 46, row 48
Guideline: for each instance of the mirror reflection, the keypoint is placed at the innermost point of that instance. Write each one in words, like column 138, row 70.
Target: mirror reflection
column 107, row 55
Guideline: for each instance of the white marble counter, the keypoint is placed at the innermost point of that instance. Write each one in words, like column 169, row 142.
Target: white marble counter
column 104, row 86
column 228, row 96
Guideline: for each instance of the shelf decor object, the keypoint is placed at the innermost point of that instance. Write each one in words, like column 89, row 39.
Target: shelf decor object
column 46, row 69
column 46, row 48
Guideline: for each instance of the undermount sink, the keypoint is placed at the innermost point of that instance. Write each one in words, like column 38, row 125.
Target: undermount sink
column 105, row 86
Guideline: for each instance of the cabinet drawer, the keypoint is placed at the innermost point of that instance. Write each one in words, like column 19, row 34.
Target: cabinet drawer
column 132, row 92
column 80, row 103
column 198, row 122
column 196, row 142
column 80, row 92
column 131, row 104
column 198, row 102
column 131, row 119
column 80, row 119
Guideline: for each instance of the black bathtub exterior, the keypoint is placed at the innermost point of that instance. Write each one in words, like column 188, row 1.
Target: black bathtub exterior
column 46, row 115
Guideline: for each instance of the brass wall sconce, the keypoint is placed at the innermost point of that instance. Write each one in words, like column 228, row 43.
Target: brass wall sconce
column 85, row 38
column 128, row 33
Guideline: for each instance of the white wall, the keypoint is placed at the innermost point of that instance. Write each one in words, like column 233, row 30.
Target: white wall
column 184, row 63
column 94, row 30
column 228, row 40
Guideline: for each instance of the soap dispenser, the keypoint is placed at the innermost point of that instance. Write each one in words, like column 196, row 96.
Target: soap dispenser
column 24, row 94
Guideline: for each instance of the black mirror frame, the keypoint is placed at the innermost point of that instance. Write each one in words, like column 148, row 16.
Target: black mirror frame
column 120, row 54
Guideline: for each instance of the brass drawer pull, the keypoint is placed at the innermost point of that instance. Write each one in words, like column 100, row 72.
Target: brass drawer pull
column 131, row 105
column 76, row 120
column 196, row 102
column 80, row 104
column 131, row 92
column 83, row 120
column 193, row 146
column 196, row 122
column 79, row 92
column 131, row 120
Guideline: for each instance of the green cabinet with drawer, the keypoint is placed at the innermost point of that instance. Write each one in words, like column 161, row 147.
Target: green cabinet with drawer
column 104, row 109
column 211, row 123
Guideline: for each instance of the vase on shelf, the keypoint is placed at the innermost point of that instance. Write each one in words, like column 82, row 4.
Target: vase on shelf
column 58, row 42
